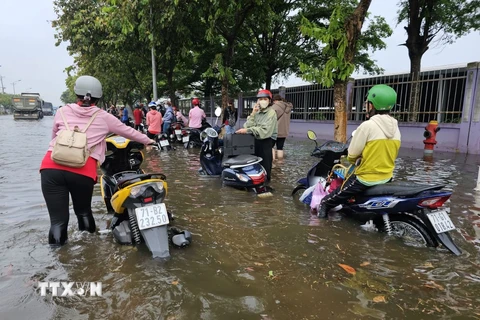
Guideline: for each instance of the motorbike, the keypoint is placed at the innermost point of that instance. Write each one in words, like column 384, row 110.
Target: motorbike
column 177, row 133
column 193, row 140
column 234, row 162
column 163, row 142
column 136, row 200
column 413, row 212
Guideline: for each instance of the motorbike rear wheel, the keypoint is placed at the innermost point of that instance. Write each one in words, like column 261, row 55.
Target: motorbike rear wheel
column 410, row 230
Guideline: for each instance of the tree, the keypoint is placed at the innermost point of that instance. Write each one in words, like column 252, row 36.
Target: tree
column 345, row 48
column 428, row 19
column 68, row 96
column 225, row 22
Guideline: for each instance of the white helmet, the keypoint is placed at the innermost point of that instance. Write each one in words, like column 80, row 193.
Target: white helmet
column 88, row 84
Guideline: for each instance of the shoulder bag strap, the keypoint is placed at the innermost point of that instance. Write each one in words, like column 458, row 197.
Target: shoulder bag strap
column 90, row 122
column 278, row 118
column 64, row 121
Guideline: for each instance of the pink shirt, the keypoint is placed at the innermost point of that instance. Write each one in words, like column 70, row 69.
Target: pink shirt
column 181, row 117
column 195, row 117
column 103, row 124
column 154, row 121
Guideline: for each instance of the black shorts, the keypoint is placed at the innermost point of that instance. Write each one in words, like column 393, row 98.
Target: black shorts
column 279, row 143
column 151, row 135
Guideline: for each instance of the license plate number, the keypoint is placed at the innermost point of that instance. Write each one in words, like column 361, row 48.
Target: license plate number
column 441, row 221
column 178, row 131
column 152, row 216
column 185, row 139
column 164, row 143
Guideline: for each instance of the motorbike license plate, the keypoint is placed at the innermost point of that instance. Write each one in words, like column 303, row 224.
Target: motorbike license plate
column 178, row 132
column 152, row 216
column 441, row 221
column 164, row 143
column 185, row 139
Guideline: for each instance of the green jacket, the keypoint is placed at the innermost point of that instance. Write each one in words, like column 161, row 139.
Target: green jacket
column 263, row 124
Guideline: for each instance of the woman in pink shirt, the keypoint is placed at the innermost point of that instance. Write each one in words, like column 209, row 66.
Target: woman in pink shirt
column 154, row 121
column 59, row 181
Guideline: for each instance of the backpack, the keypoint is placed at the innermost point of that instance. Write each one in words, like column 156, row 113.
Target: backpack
column 71, row 147
column 231, row 118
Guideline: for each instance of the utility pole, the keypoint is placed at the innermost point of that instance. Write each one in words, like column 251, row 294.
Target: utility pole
column 13, row 84
column 1, row 81
column 154, row 65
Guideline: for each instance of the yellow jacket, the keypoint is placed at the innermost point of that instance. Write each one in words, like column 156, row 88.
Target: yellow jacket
column 377, row 141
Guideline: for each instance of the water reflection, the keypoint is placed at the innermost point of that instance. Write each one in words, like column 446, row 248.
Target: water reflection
column 251, row 258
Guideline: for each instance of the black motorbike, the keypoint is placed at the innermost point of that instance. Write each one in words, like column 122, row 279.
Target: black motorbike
column 194, row 140
column 413, row 212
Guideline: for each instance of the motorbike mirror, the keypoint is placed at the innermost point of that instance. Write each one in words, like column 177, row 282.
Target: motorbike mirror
column 218, row 111
column 311, row 135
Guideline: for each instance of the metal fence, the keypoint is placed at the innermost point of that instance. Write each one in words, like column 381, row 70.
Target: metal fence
column 441, row 98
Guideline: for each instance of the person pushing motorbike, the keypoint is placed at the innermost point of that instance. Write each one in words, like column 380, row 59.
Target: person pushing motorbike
column 376, row 143
column 262, row 123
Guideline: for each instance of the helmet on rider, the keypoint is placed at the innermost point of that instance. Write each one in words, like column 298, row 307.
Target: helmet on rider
column 152, row 104
column 264, row 94
column 88, row 89
column 382, row 97
column 196, row 102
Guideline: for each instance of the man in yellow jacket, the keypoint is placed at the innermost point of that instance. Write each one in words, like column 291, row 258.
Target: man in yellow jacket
column 376, row 142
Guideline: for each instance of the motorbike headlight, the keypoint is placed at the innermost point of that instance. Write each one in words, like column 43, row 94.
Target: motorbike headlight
column 242, row 177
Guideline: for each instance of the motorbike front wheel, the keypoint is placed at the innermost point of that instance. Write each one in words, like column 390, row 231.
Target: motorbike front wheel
column 297, row 192
column 411, row 231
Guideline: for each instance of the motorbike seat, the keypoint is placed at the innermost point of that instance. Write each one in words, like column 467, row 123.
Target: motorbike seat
column 400, row 188
column 241, row 161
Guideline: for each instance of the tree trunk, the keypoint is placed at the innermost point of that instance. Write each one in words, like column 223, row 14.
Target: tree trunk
column 170, row 86
column 268, row 80
column 339, row 99
column 224, row 94
column 414, row 103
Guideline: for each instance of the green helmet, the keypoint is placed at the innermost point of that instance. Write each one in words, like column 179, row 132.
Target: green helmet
column 382, row 97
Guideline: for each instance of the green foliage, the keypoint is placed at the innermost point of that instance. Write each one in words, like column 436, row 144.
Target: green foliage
column 6, row 99
column 445, row 19
column 68, row 96
column 342, row 56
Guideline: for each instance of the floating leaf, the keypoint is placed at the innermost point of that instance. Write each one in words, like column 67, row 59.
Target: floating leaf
column 433, row 285
column 249, row 269
column 347, row 268
column 270, row 273
column 427, row 265
column 364, row 264
column 258, row 264
column 379, row 299
column 175, row 282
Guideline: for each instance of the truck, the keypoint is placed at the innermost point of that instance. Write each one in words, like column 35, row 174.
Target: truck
column 28, row 106
column 47, row 109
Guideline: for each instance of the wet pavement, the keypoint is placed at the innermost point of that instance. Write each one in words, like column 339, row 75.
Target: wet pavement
column 251, row 258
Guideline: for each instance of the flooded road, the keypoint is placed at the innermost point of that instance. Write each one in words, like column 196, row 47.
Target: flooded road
column 251, row 258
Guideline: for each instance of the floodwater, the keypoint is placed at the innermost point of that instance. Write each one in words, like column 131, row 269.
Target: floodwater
column 251, row 258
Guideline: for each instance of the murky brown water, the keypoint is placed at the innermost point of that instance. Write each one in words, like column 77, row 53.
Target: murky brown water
column 251, row 258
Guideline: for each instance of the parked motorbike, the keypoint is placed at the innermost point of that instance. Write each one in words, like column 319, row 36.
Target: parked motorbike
column 413, row 212
column 177, row 133
column 163, row 142
column 234, row 162
column 136, row 199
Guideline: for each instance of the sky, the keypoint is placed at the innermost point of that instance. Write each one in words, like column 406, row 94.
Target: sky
column 28, row 52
